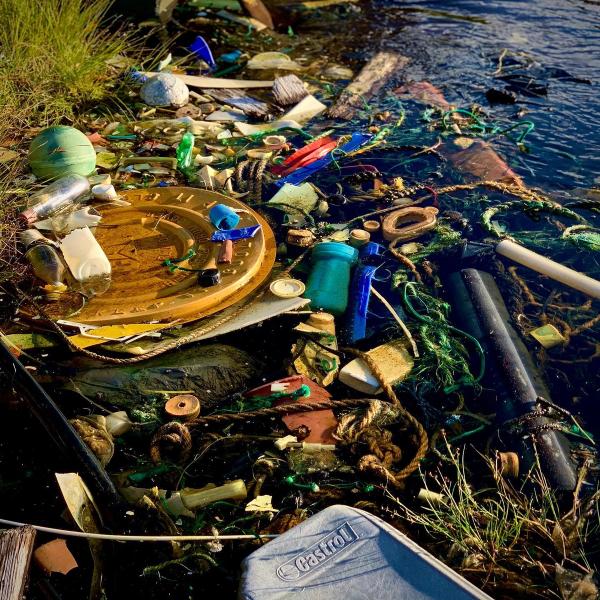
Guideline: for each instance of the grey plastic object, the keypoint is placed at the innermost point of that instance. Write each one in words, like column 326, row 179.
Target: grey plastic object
column 343, row 553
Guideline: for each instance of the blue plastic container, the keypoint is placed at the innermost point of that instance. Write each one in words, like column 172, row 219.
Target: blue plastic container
column 344, row 553
column 223, row 217
column 329, row 280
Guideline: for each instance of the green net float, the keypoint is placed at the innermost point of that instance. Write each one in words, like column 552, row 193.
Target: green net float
column 59, row 151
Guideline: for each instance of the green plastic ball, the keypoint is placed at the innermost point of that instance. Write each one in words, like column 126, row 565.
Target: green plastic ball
column 59, row 151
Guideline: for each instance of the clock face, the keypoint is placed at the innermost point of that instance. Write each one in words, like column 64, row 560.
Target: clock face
column 172, row 223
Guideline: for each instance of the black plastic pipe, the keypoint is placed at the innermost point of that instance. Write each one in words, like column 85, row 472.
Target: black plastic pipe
column 477, row 298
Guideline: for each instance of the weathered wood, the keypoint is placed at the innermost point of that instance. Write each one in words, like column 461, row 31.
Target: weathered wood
column 373, row 76
column 250, row 106
column 257, row 10
column 16, row 546
column 289, row 90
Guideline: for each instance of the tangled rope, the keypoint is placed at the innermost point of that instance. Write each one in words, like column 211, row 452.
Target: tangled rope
column 249, row 176
column 369, row 430
column 176, row 436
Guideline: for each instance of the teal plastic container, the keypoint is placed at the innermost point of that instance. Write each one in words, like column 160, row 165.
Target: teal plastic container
column 329, row 280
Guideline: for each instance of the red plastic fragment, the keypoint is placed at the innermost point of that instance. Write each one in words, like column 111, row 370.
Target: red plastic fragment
column 321, row 423
column 305, row 156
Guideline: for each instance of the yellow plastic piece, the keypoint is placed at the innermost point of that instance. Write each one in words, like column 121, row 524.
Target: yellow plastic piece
column 110, row 333
column 548, row 336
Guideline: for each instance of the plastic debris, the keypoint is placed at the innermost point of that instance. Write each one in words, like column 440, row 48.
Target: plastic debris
column 55, row 557
column 393, row 360
column 273, row 60
column 84, row 256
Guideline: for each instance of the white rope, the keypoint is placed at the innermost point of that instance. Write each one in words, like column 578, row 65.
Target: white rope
column 137, row 538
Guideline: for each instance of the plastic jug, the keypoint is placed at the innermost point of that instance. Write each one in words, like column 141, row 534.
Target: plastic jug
column 329, row 279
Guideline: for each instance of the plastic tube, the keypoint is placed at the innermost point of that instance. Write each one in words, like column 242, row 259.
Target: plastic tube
column 476, row 295
column 545, row 266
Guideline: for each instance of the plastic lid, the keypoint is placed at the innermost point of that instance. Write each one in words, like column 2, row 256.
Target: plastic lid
column 359, row 237
column 372, row 226
column 29, row 216
column 287, row 288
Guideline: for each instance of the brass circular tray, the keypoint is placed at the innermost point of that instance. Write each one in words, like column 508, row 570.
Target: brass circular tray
column 166, row 223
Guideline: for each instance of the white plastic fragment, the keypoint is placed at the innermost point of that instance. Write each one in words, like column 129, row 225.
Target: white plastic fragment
column 84, row 255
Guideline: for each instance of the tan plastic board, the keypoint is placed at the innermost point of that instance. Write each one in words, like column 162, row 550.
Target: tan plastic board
column 165, row 223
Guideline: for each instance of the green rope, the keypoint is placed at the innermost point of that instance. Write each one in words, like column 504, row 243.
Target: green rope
column 437, row 343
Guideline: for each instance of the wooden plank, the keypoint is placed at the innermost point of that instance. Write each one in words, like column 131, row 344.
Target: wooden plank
column 373, row 76
column 250, row 106
column 16, row 546
column 199, row 81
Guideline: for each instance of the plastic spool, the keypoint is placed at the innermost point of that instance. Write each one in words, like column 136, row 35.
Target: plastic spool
column 302, row 238
column 323, row 321
column 185, row 407
column 509, row 464
column 372, row 226
column 409, row 223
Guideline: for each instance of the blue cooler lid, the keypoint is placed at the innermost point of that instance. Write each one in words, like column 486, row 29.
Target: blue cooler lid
column 343, row 553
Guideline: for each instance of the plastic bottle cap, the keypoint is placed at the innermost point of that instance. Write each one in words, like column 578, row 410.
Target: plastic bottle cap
column 372, row 226
column 359, row 237
column 287, row 288
column 184, row 406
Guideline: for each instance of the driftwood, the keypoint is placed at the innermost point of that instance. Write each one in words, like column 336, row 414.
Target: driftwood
column 289, row 90
column 250, row 106
column 16, row 546
column 257, row 10
column 373, row 76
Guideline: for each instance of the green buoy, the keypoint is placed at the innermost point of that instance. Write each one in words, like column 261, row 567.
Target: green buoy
column 59, row 151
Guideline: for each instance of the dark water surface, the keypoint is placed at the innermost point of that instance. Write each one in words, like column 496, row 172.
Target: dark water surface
column 456, row 45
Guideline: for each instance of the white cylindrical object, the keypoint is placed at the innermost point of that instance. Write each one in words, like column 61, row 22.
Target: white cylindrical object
column 84, row 255
column 545, row 266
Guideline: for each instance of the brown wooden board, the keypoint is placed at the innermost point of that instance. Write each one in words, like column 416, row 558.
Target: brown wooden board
column 373, row 76
column 16, row 546
column 166, row 223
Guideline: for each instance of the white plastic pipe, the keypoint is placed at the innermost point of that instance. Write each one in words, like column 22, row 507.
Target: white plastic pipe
column 545, row 266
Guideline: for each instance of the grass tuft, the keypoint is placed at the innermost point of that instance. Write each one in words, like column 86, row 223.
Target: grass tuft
column 53, row 58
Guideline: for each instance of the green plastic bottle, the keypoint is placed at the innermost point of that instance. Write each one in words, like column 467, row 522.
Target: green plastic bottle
column 185, row 152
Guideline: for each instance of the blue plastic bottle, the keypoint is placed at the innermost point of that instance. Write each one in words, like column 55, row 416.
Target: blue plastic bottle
column 329, row 279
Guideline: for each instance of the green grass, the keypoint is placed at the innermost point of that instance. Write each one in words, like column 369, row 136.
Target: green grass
column 53, row 61
column 54, row 55
column 505, row 538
